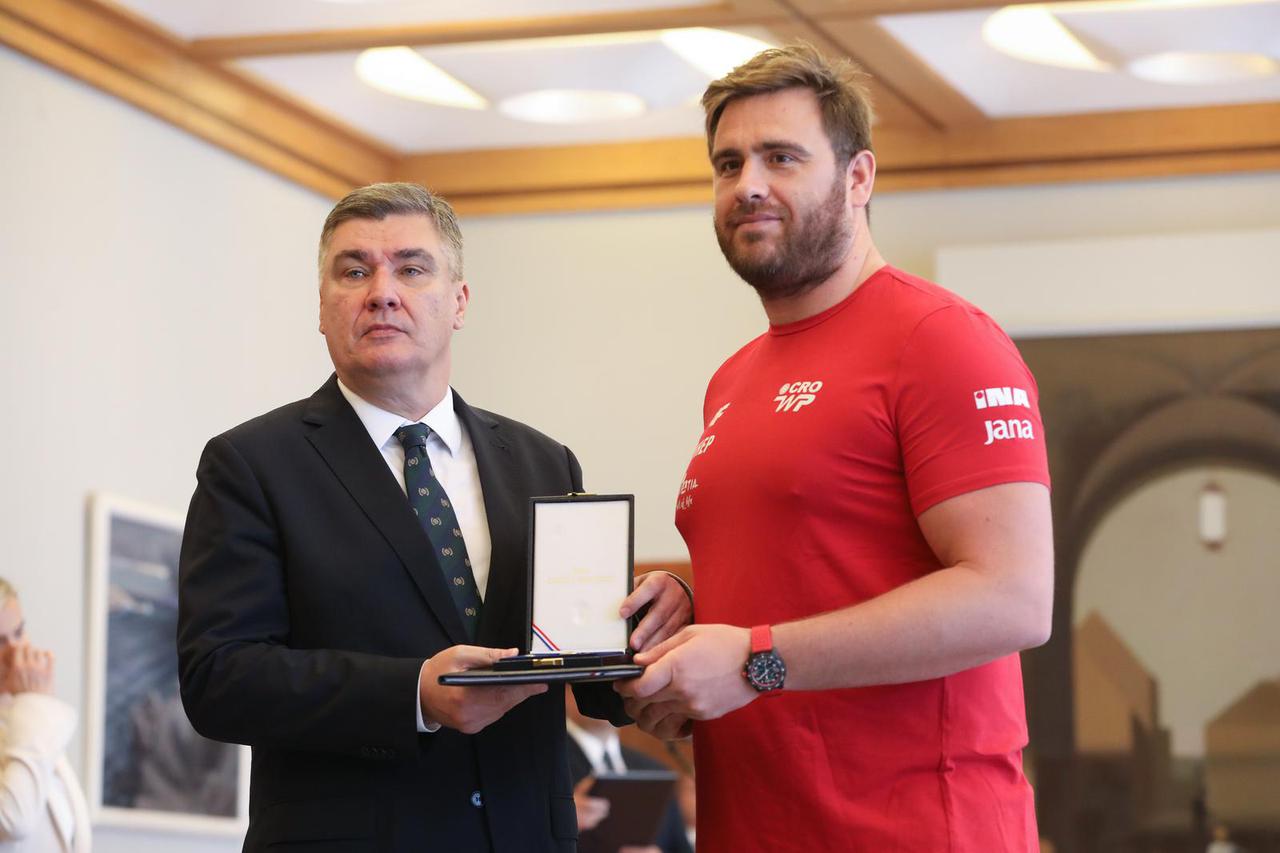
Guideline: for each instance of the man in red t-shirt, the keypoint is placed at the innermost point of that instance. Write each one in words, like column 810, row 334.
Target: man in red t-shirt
column 867, row 514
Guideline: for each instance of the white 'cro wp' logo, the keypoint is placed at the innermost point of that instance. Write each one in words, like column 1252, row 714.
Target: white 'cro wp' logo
column 991, row 398
column 794, row 396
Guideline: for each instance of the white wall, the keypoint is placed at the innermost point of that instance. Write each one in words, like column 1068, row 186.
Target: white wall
column 159, row 291
column 1118, row 285
column 1191, row 615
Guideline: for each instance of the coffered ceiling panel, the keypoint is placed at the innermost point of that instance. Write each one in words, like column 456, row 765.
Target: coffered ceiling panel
column 1001, row 86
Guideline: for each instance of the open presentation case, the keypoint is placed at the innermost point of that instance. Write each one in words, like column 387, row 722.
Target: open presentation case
column 580, row 569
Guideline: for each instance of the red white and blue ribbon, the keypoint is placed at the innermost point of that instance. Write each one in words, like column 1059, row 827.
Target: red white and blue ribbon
column 546, row 641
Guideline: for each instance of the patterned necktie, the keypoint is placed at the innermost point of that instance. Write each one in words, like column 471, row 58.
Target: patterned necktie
column 435, row 514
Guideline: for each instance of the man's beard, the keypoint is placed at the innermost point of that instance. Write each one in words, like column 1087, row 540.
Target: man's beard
column 810, row 248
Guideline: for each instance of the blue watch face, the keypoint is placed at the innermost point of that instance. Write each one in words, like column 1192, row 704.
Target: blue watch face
column 766, row 671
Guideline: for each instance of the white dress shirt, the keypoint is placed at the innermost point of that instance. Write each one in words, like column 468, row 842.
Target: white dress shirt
column 453, row 459
column 604, row 752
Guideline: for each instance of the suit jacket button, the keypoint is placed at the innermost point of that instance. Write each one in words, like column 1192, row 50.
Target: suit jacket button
column 477, row 800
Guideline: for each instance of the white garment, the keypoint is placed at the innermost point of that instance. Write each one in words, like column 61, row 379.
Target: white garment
column 41, row 807
column 453, row 459
column 604, row 753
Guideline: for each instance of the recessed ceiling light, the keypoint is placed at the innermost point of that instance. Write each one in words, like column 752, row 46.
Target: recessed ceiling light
column 1201, row 69
column 572, row 106
column 1033, row 34
column 405, row 73
column 713, row 52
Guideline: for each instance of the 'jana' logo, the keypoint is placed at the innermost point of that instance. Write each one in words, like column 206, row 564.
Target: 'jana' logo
column 794, row 396
column 1012, row 428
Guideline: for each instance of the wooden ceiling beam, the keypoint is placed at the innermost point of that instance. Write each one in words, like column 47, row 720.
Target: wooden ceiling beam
column 891, row 109
column 912, row 81
column 465, row 32
column 1064, row 138
column 1108, row 146
column 657, row 162
column 112, row 51
column 832, row 9
column 1096, row 169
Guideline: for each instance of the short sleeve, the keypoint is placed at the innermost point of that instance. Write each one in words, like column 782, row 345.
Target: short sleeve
column 966, row 409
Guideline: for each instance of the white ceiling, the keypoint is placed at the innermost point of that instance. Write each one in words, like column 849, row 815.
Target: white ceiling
column 951, row 43
column 640, row 64
column 948, row 42
column 192, row 19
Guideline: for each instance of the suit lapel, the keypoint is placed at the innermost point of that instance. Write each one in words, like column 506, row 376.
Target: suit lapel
column 343, row 442
column 502, row 620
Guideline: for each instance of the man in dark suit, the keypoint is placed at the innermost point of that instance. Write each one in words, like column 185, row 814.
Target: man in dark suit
column 595, row 748
column 344, row 551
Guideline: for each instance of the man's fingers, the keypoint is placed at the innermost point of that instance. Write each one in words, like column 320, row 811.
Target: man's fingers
column 645, row 591
column 655, row 678
column 674, row 727
column 519, row 692
column 584, row 785
column 665, row 609
column 668, row 629
column 652, row 655
column 474, row 657
column 660, row 719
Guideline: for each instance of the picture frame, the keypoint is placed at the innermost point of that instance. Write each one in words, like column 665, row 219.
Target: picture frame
column 145, row 766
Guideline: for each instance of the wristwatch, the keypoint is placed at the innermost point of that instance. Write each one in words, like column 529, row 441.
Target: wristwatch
column 765, row 670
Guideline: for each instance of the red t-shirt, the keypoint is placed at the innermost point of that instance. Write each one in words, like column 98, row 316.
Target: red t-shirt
column 824, row 440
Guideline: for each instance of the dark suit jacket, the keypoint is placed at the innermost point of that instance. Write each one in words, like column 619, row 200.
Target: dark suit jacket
column 309, row 597
column 671, row 835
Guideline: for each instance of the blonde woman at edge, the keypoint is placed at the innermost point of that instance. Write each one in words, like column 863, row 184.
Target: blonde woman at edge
column 41, row 806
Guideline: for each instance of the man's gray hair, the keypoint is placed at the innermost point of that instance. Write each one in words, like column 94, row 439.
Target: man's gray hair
column 378, row 201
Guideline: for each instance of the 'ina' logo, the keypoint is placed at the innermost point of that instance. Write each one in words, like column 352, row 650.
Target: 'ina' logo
column 990, row 398
column 794, row 396
column 1004, row 429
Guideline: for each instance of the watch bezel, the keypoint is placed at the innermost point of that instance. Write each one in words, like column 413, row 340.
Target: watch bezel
column 765, row 671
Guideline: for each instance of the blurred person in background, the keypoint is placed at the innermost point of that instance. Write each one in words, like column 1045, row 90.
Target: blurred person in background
column 595, row 748
column 41, row 806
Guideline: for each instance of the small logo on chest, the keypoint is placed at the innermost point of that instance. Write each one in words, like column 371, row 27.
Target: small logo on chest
column 794, row 396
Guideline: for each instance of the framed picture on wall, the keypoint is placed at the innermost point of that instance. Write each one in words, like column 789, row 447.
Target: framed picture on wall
column 146, row 767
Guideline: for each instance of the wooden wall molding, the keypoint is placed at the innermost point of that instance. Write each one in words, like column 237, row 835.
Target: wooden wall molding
column 155, row 72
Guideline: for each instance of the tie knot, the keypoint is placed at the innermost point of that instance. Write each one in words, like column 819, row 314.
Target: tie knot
column 413, row 436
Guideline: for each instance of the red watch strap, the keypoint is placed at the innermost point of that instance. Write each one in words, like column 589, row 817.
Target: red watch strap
column 761, row 639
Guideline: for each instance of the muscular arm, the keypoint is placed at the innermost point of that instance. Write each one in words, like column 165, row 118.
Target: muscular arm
column 992, row 597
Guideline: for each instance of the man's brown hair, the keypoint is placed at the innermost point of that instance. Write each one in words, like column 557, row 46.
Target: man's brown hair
column 378, row 201
column 840, row 87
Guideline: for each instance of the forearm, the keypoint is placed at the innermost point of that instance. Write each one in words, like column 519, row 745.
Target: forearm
column 950, row 620
column 265, row 694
